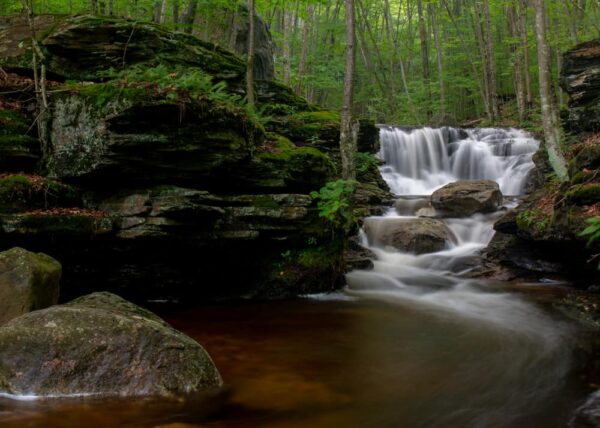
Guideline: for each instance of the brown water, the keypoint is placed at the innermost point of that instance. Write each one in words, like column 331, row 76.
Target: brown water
column 363, row 363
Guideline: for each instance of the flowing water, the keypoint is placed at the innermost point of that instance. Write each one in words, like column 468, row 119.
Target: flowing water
column 409, row 344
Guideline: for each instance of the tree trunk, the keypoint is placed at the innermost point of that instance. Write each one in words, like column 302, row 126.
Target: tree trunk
column 95, row 7
column 190, row 16
column 518, row 61
column 424, row 56
column 163, row 12
column 347, row 140
column 550, row 120
column 287, row 66
column 310, row 10
column 175, row 13
column 438, row 55
column 250, row 60
column 489, row 47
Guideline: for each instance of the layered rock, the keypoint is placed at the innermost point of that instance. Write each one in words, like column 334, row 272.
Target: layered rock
column 174, row 192
column 28, row 282
column 465, row 198
column 580, row 78
column 414, row 235
column 101, row 344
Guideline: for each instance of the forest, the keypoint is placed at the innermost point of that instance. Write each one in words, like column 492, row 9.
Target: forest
column 418, row 61
column 300, row 213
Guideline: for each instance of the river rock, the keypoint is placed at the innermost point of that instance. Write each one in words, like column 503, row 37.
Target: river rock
column 588, row 415
column 101, row 344
column 28, row 282
column 415, row 235
column 465, row 198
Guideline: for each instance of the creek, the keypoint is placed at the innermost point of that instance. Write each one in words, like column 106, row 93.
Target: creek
column 411, row 343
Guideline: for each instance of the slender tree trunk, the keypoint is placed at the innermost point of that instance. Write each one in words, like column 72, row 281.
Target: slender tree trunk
column 550, row 120
column 424, row 55
column 438, row 55
column 234, row 29
column 310, row 9
column 250, row 60
column 110, row 7
column 175, row 13
column 95, row 7
column 163, row 12
column 287, row 66
column 525, row 46
column 347, row 140
column 190, row 16
column 484, row 61
column 518, row 57
column 489, row 47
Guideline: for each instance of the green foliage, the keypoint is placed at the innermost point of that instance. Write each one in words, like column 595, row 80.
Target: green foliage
column 334, row 201
column 592, row 232
column 365, row 162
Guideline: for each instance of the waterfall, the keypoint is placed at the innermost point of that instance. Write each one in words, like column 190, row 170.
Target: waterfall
column 422, row 160
column 417, row 162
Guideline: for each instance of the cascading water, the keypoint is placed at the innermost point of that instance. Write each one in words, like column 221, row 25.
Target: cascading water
column 531, row 349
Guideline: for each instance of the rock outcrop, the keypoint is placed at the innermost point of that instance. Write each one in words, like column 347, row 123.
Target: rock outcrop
column 101, row 344
column 162, row 188
column 580, row 78
column 414, row 235
column 465, row 198
column 28, row 282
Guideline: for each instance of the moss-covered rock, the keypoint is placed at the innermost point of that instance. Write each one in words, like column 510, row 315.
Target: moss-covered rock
column 19, row 151
column 28, row 282
column 19, row 192
column 88, row 47
column 583, row 194
column 53, row 224
column 101, row 344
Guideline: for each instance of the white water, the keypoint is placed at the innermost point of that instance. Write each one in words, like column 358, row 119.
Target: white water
column 419, row 162
column 422, row 160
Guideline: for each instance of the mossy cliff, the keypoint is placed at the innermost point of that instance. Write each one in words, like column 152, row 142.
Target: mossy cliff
column 542, row 237
column 159, row 183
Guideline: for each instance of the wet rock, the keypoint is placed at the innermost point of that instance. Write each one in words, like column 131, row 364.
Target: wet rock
column 101, row 344
column 28, row 282
column 357, row 256
column 418, row 235
column 465, row 198
column 417, row 207
column 580, row 78
column 588, row 415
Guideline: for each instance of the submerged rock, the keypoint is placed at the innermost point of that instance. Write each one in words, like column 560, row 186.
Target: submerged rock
column 465, row 198
column 28, row 282
column 415, row 235
column 101, row 344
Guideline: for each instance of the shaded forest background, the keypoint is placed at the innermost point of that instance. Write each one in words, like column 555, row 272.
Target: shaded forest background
column 418, row 61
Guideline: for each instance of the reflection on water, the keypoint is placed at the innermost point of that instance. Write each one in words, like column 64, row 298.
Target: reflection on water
column 346, row 363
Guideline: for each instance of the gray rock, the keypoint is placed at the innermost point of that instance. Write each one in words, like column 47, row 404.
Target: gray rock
column 415, row 235
column 465, row 198
column 101, row 344
column 28, row 282
column 588, row 415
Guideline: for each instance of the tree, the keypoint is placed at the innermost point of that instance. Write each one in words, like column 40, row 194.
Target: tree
column 250, row 59
column 347, row 133
column 550, row 119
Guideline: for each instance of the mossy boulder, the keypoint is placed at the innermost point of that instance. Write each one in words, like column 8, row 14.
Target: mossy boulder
column 146, row 139
column 75, row 223
column 20, row 192
column 19, row 151
column 583, row 194
column 320, row 129
column 87, row 48
column 103, row 345
column 28, row 282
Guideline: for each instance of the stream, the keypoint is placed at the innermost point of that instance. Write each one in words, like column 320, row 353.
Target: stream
column 410, row 343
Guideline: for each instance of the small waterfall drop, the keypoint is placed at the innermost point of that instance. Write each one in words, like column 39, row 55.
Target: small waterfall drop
column 417, row 163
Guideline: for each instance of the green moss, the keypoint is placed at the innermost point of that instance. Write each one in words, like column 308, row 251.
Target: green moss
column 15, row 188
column 263, row 201
column 78, row 225
column 319, row 128
column 20, row 193
column 534, row 221
column 584, row 194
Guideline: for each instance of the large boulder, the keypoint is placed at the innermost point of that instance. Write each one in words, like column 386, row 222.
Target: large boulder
column 465, row 198
column 580, row 78
column 28, row 282
column 101, row 344
column 415, row 235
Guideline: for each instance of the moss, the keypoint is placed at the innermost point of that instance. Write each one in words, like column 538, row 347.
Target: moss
column 319, row 128
column 584, row 194
column 534, row 221
column 59, row 225
column 587, row 158
column 24, row 193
